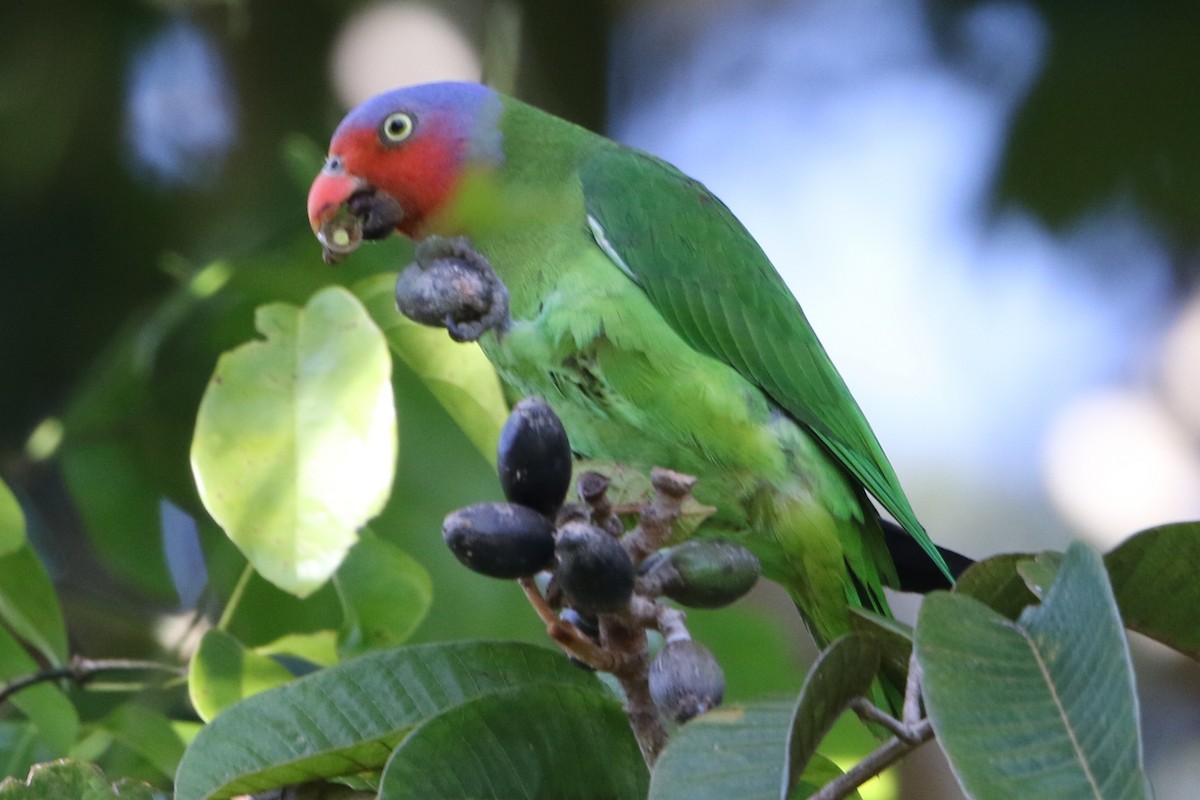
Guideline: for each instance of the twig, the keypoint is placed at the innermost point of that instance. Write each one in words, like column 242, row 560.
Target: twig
column 566, row 635
column 657, row 518
column 623, row 655
column 876, row 762
column 912, row 691
column 619, row 636
column 236, row 597
column 80, row 670
column 621, row 650
column 869, row 712
column 592, row 488
column 910, row 733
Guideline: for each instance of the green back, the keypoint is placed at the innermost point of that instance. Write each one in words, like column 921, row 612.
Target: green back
column 714, row 285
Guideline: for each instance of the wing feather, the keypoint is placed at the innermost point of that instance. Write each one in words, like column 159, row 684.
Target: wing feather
column 714, row 285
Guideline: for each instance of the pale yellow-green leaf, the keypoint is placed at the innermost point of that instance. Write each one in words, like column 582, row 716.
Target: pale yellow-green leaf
column 458, row 375
column 223, row 672
column 319, row 647
column 385, row 596
column 12, row 521
column 295, row 442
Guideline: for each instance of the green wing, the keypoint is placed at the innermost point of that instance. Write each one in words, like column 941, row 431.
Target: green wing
column 714, row 285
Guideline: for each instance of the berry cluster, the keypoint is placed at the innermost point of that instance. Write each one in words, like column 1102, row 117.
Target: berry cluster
column 603, row 584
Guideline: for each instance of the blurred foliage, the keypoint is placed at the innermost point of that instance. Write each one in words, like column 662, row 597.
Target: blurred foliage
column 1108, row 117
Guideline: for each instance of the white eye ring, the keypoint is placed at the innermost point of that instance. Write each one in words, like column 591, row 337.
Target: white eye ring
column 396, row 128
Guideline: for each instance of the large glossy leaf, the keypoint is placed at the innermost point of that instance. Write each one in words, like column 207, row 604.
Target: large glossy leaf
column 844, row 670
column 734, row 753
column 385, row 594
column 295, row 443
column 458, row 375
column 12, row 521
column 75, row 780
column 222, row 673
column 1041, row 707
column 1154, row 577
column 44, row 704
column 348, row 718
column 544, row 742
column 29, row 605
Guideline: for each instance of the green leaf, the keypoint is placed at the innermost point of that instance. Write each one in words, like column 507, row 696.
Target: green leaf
column 892, row 637
column 537, row 742
column 75, row 780
column 295, row 442
column 12, row 521
column 222, row 673
column 130, row 422
column 734, row 753
column 29, row 605
column 458, row 375
column 996, row 583
column 44, row 704
column 22, row 746
column 385, row 593
column 302, row 158
column 843, row 671
column 820, row 771
column 148, row 733
column 265, row 613
column 348, row 718
column 1042, row 707
column 1154, row 579
column 119, row 505
column 1039, row 571
column 319, row 647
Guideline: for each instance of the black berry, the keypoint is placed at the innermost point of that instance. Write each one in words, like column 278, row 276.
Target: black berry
column 594, row 571
column 534, row 457
column 501, row 540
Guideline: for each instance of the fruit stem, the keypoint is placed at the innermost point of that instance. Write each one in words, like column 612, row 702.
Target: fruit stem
column 656, row 521
column 624, row 635
column 569, row 638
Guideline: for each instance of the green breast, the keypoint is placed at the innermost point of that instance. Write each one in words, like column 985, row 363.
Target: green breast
column 628, row 389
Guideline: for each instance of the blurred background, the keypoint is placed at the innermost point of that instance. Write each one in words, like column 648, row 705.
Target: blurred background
column 989, row 210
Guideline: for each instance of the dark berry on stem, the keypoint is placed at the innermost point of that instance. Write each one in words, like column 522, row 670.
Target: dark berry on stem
column 686, row 680
column 501, row 540
column 594, row 570
column 534, row 457
column 709, row 573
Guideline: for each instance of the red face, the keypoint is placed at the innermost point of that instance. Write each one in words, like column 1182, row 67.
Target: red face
column 396, row 160
column 390, row 173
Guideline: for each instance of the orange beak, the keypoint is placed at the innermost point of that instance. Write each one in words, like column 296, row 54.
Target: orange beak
column 328, row 193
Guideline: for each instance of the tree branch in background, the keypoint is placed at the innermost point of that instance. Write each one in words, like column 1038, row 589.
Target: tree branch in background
column 80, row 670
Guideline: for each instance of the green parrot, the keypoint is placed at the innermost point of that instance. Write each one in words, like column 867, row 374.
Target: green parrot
column 648, row 318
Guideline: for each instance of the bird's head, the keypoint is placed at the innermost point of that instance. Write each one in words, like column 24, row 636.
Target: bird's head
column 395, row 161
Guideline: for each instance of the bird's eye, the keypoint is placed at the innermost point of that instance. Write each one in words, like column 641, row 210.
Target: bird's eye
column 396, row 128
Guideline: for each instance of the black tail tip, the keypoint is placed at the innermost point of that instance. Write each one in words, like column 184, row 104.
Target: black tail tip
column 916, row 571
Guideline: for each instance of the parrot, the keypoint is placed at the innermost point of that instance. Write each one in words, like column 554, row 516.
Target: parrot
column 648, row 318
